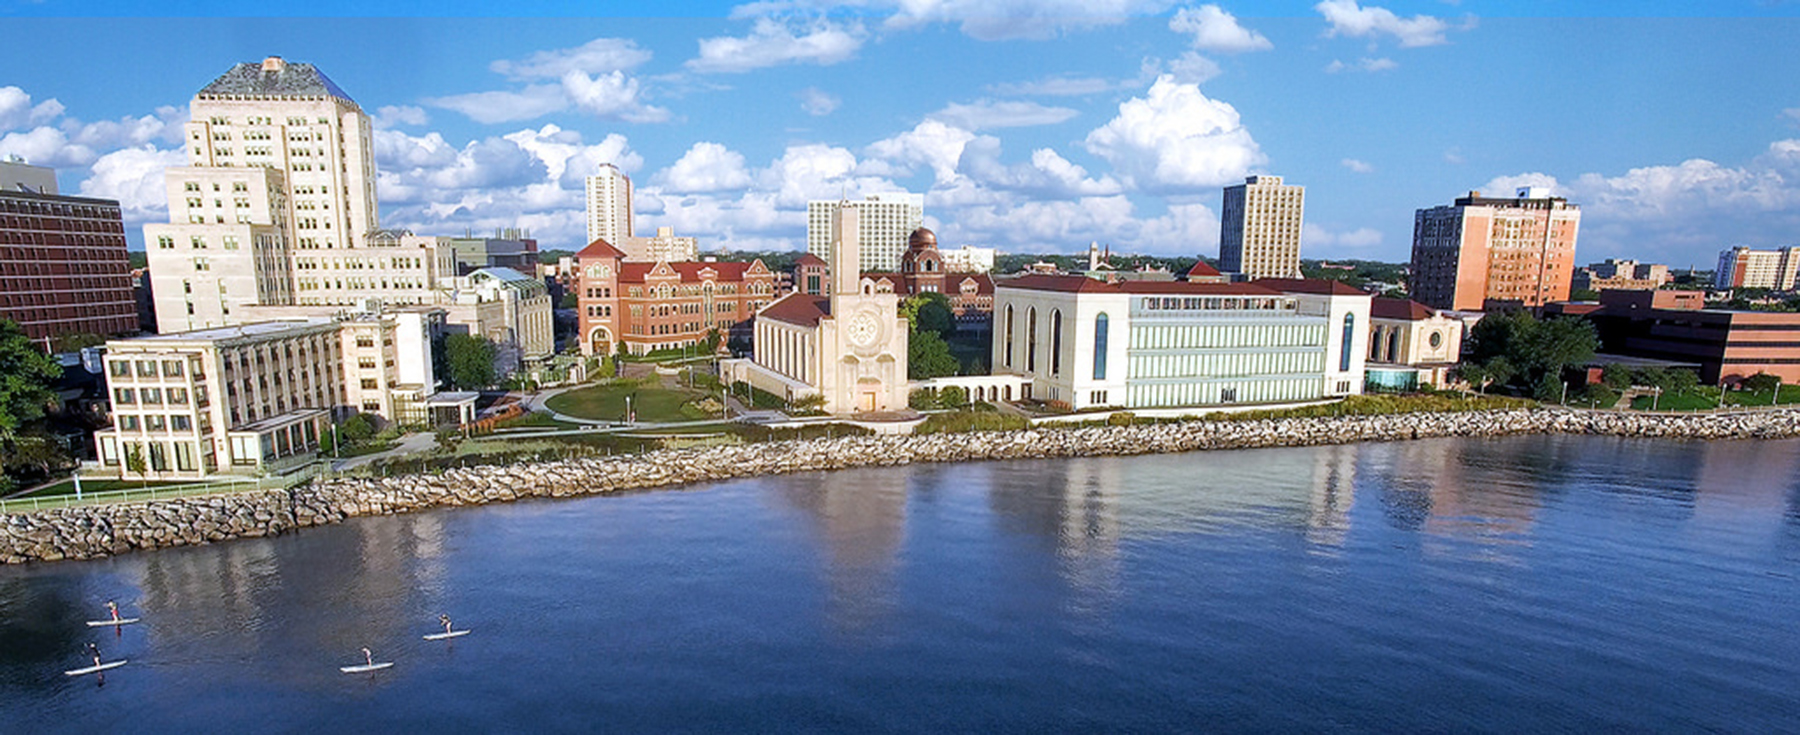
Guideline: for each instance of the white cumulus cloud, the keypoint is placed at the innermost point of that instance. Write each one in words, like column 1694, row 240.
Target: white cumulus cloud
column 393, row 116
column 598, row 56
column 1213, row 29
column 534, row 101
column 817, row 102
column 134, row 177
column 1364, row 64
column 989, row 114
column 1314, row 236
column 17, row 111
column 1058, row 86
column 612, row 95
column 992, row 20
column 1359, row 166
column 1347, row 18
column 1175, row 137
column 774, row 43
column 705, row 167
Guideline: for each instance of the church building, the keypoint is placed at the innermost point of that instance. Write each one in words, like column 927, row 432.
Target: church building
column 847, row 346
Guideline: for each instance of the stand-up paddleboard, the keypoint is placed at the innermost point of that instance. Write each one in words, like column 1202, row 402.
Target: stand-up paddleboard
column 360, row 668
column 443, row 636
column 103, row 623
column 95, row 669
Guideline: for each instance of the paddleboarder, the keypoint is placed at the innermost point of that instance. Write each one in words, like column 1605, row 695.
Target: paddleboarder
column 367, row 656
column 94, row 651
column 113, row 607
column 445, row 619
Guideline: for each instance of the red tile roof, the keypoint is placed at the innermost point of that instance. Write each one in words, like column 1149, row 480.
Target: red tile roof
column 1401, row 309
column 1202, row 269
column 689, row 271
column 984, row 284
column 810, row 259
column 1310, row 285
column 797, row 308
column 600, row 249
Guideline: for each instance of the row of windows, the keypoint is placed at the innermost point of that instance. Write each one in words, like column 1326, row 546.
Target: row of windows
column 1309, row 333
column 1206, row 392
column 1221, row 364
column 157, row 422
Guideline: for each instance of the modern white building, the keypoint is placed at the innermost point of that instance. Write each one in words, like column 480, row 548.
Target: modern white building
column 609, row 215
column 1346, row 311
column 280, row 161
column 968, row 259
column 1259, row 228
column 1086, row 343
column 509, row 308
column 884, row 220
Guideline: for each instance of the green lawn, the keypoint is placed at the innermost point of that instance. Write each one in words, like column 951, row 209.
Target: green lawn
column 1789, row 394
column 1699, row 399
column 608, row 402
column 94, row 485
column 535, row 420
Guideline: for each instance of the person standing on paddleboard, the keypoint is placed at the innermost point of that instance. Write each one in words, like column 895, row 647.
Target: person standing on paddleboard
column 369, row 657
column 113, row 607
column 94, row 651
column 445, row 619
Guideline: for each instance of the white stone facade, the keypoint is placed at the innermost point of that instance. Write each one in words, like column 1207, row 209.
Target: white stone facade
column 609, row 205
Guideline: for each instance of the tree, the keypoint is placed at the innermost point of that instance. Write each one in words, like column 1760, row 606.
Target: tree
column 711, row 342
column 928, row 356
column 134, row 462
column 1761, row 383
column 26, row 375
column 357, row 428
column 1532, row 348
column 953, row 397
column 77, row 341
column 930, row 312
column 471, row 359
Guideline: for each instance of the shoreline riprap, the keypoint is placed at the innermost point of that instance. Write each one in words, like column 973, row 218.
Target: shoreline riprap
column 89, row 532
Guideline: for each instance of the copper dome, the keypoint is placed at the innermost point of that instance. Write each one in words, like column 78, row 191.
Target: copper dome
column 921, row 239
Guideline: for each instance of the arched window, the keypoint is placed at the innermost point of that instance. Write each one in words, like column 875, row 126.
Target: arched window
column 1349, row 339
column 1100, row 346
column 1031, row 340
column 1393, row 345
column 1056, row 342
column 1009, row 336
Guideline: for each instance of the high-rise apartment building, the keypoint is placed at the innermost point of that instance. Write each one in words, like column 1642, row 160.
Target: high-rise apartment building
column 1259, row 228
column 63, row 268
column 1519, row 250
column 885, row 222
column 609, row 215
column 280, row 162
column 1741, row 267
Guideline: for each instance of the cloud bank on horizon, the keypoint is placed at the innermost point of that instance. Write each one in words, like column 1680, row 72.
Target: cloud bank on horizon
column 1127, row 144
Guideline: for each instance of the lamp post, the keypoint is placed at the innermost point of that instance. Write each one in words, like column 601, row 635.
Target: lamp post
column 1775, row 396
column 1565, row 393
column 628, row 409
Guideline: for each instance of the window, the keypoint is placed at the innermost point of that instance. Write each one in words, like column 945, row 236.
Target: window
column 159, row 457
column 146, row 368
column 1436, row 339
column 1100, row 324
column 120, row 369
column 177, row 396
column 371, row 406
column 1056, row 332
column 1349, row 337
column 128, row 423
column 165, row 242
column 1031, row 339
column 1006, row 355
column 151, row 396
column 180, row 423
column 184, row 456
column 369, row 384
column 1228, row 395
column 124, row 396
column 156, row 422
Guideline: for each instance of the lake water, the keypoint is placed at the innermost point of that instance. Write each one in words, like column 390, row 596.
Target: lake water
column 1501, row 585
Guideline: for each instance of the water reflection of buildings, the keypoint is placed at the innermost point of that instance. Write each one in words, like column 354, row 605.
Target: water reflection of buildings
column 1747, row 485
column 860, row 519
column 1072, row 507
column 262, row 598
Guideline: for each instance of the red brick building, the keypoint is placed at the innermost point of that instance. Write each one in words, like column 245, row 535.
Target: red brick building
column 1674, row 326
column 63, row 268
column 656, row 306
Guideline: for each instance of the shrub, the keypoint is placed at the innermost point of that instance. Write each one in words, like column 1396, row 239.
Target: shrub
column 1121, row 418
column 964, row 421
column 1761, row 382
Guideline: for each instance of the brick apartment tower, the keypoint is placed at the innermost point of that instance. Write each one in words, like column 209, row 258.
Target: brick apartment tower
column 1519, row 250
column 63, row 268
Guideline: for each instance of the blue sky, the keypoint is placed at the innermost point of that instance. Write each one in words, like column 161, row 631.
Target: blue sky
column 1677, row 129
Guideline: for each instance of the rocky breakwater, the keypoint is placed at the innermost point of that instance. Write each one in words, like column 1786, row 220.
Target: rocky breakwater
column 96, row 531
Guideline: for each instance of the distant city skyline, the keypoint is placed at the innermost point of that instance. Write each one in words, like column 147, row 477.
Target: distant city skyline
column 1026, row 130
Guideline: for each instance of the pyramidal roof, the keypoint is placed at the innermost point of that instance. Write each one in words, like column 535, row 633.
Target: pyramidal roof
column 274, row 77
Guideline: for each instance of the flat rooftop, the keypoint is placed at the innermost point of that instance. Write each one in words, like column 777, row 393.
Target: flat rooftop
column 243, row 331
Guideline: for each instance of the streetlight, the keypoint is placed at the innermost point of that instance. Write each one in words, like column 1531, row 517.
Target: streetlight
column 628, row 409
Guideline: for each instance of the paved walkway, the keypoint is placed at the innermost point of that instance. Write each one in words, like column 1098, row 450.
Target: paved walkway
column 405, row 445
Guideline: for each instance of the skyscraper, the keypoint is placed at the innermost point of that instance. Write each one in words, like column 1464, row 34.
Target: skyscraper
column 280, row 161
column 1259, row 228
column 885, row 221
column 1519, row 249
column 609, row 214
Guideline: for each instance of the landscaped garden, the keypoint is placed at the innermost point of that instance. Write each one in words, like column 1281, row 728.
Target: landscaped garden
column 648, row 399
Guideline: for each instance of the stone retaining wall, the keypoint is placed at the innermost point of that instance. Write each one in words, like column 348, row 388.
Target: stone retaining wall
column 95, row 531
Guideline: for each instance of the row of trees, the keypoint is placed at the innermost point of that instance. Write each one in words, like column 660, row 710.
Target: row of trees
column 1519, row 350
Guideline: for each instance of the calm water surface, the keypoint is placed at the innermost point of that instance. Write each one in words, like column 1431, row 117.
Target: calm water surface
column 1523, row 584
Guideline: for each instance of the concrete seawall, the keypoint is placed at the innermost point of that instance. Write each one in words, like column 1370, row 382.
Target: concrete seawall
column 96, row 531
